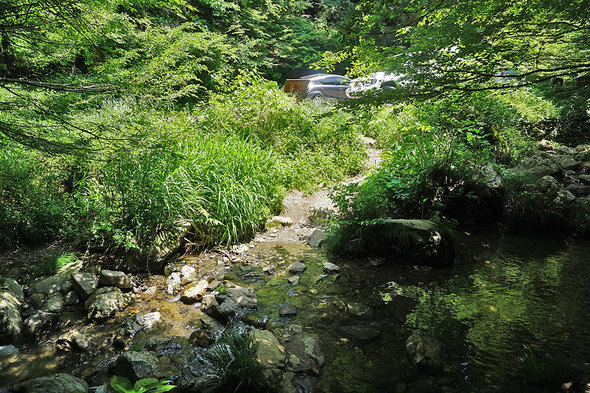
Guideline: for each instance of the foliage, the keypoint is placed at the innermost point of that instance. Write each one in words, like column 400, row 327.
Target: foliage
column 52, row 263
column 234, row 364
column 145, row 385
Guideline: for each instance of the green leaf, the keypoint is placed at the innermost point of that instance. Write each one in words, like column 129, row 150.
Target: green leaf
column 122, row 384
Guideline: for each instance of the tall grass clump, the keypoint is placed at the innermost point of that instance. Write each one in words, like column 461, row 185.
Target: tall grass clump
column 234, row 365
column 35, row 206
column 314, row 143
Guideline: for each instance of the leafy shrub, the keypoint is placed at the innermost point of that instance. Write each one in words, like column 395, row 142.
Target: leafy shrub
column 52, row 263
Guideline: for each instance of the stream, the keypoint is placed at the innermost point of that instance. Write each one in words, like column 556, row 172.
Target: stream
column 512, row 314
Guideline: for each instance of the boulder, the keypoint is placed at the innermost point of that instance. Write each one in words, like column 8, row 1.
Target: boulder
column 188, row 274
column 57, row 383
column 193, row 293
column 49, row 285
column 425, row 351
column 330, row 268
column 85, row 284
column 173, row 283
column 297, row 268
column 361, row 332
column 11, row 297
column 71, row 298
column 8, row 350
column 105, row 302
column 269, row 352
column 278, row 222
column 112, row 278
column 54, row 304
column 317, row 238
column 226, row 306
column 39, row 323
column 578, row 189
column 136, row 365
column 420, row 241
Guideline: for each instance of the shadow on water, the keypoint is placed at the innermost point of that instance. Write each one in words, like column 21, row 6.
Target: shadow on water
column 512, row 314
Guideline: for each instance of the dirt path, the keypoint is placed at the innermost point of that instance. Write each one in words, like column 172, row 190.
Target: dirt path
column 299, row 207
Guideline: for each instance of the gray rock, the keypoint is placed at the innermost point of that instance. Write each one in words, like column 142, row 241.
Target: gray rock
column 567, row 161
column 39, row 323
column 359, row 309
column 584, row 178
column 112, row 278
column 187, row 274
column 54, row 304
column 297, row 268
column 85, row 284
column 563, row 198
column 330, row 268
column 293, row 280
column 7, row 350
column 10, row 316
column 244, row 297
column 424, row 351
column 72, row 299
column 269, row 353
column 144, row 364
column 288, row 310
column 48, row 285
column 278, row 221
column 105, row 302
column 361, row 332
column 173, row 283
column 10, row 285
column 148, row 320
column 57, row 383
column 305, row 354
column 317, row 238
column 193, row 293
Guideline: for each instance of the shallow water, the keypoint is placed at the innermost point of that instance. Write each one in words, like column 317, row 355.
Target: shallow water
column 512, row 313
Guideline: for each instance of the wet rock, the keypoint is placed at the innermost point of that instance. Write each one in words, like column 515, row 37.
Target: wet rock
column 39, row 323
column 173, row 283
column 278, row 222
column 578, row 189
column 358, row 310
column 194, row 293
column 293, row 280
column 144, row 364
column 48, row 285
column 202, row 338
column 85, row 284
column 188, row 274
column 424, row 351
column 269, row 353
column 297, row 268
column 112, row 278
column 11, row 296
column 317, row 238
column 149, row 320
column 233, row 302
column 7, row 350
column 563, row 198
column 72, row 299
column 330, row 268
column 57, row 383
column 305, row 354
column 54, row 304
column 288, row 310
column 361, row 332
column 105, row 302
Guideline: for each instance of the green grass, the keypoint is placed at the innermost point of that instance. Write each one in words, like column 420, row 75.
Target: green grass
column 234, row 366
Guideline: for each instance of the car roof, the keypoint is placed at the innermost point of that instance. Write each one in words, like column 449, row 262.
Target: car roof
column 317, row 76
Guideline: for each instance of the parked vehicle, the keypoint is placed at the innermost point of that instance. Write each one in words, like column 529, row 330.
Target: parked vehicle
column 377, row 80
column 319, row 86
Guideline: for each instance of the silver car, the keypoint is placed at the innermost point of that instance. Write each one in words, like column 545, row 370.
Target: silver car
column 326, row 86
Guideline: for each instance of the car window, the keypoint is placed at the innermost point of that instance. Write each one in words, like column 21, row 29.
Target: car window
column 335, row 80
